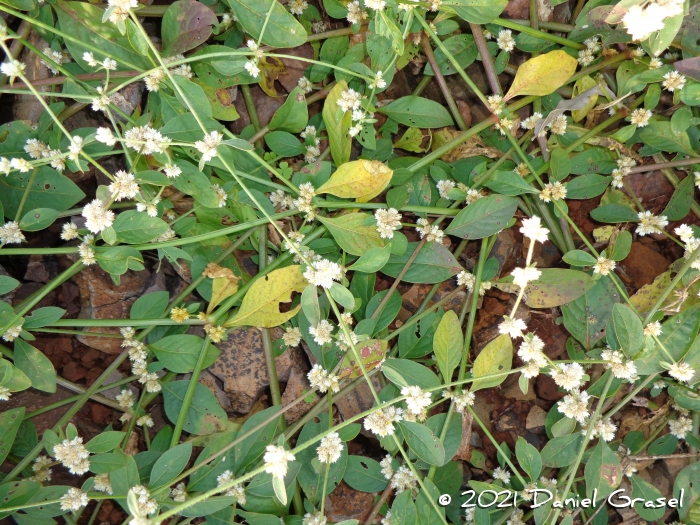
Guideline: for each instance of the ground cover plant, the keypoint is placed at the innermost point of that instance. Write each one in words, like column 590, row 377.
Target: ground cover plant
column 408, row 263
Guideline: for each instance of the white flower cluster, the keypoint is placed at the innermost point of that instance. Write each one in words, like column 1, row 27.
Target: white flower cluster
column 680, row 427
column 36, row 149
column 330, row 449
column 107, row 64
column 465, row 278
column 553, row 191
column 404, row 479
column 640, row 117
column 252, row 65
column 381, row 421
column 322, row 379
column 687, row 235
column 11, row 234
column 304, row 203
column 417, row 401
column 568, row 376
column 97, row 216
column 281, row 200
column 505, row 40
column 604, row 429
column 74, row 500
column 57, row 57
column 431, row 232
column 12, row 69
column 501, row 474
column 147, row 505
column 681, row 371
column 641, row 21
column 323, row 272
column 587, row 56
column 531, row 352
column 118, row 10
column 649, row 223
column 355, row 13
column 207, row 146
column 388, row 221
column 621, row 368
column 575, row 406
column 624, row 166
column 138, row 353
column 276, row 459
column 292, row 336
column 73, row 455
column 462, row 400
column 237, row 491
column 322, row 332
column 351, row 100
column 40, row 467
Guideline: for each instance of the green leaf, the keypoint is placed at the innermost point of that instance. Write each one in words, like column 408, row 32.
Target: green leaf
column 647, row 492
column 150, row 306
column 342, row 296
column 508, row 183
column 170, row 465
column 179, row 353
column 372, row 260
column 364, row 474
column 252, row 447
column 83, row 21
column 659, row 135
column 105, row 442
column 687, row 479
column 119, row 259
column 403, row 510
column 433, row 264
column 284, row 144
column 587, row 186
column 48, row 189
column 681, row 201
column 389, row 312
column 260, row 306
column 496, row 357
column 7, row 284
column 283, row 30
column 529, row 458
column 404, row 372
column 356, row 233
column 38, row 219
column 555, row 287
column 482, row 218
column 192, row 95
column 448, row 344
column 186, row 24
column 418, row 112
column 337, row 124
column 579, row 258
column 134, row 227
column 10, row 421
column 543, row 74
column 204, row 416
column 561, row 451
column 477, row 11
column 603, row 471
column 622, row 246
column 293, row 115
column 36, row 366
column 614, row 213
column 463, row 50
column 559, row 164
column 193, row 182
column 42, row 317
column 625, row 330
column 423, row 442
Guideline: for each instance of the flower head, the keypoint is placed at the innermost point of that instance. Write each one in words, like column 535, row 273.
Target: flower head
column 74, row 500
column 604, row 266
column 207, row 146
column 575, row 405
column 640, row 117
column 568, row 376
column 532, row 229
column 322, row 332
column 512, row 326
column 387, row 221
column 673, row 80
column 330, row 448
column 416, row 399
column 73, row 455
column 505, row 40
column 276, row 459
column 681, row 371
column 381, row 421
column 649, row 223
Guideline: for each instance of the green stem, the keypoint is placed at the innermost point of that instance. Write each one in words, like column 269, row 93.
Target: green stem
column 510, row 24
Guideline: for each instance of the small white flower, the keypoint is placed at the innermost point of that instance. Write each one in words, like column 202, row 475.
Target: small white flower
column 73, row 455
column 512, row 326
column 501, row 475
column 315, row 518
column 105, row 136
column 109, row 64
column 90, row 59
column 377, row 5
column 292, row 336
column 330, row 449
column 575, row 405
column 680, row 427
column 11, row 234
column 322, row 379
column 124, row 186
column 102, row 484
column 380, row 422
column 349, row 100
column 145, row 421
column 323, row 273
column 12, row 69
column 553, row 192
column 276, row 459
column 12, row 333
column 673, row 80
column 5, row 393
column 297, row 7
column 322, row 332
column 207, row 146
column 387, row 467
column 495, row 104
column 558, row 125
column 74, row 500
column 522, row 276
column 416, row 399
column 531, row 121
column 681, row 371
column 444, row 187
column 505, row 40
column 305, row 85
column 568, row 376
column 653, row 329
column 378, row 82
column 463, row 400
column 21, row 165
column 387, row 221
column 649, row 223
column 532, row 229
column 355, row 13
column 604, row 266
column 252, row 68
column 431, row 232
column 97, row 217
column 404, row 479
column 640, row 117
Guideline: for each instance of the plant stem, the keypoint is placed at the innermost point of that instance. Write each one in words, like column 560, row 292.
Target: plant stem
column 486, row 59
column 428, row 51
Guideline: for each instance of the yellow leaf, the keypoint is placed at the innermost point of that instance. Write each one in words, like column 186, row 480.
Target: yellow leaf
column 261, row 304
column 372, row 353
column 581, row 85
column 497, row 356
column 543, row 75
column 361, row 179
